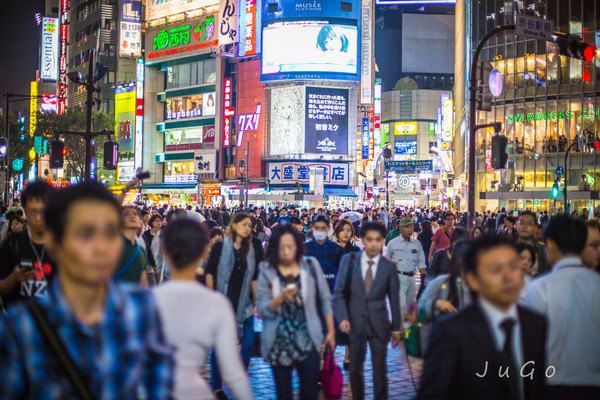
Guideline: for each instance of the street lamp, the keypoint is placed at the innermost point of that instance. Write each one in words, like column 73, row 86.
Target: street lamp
column 387, row 155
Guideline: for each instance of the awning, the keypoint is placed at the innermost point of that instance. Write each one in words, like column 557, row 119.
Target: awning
column 540, row 195
column 166, row 186
column 340, row 192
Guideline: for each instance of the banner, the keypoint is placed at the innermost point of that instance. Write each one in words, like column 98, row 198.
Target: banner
column 130, row 28
column 366, row 53
column 49, row 52
column 410, row 166
column 326, row 121
column 33, row 107
column 228, row 22
column 365, row 138
column 125, row 104
column 250, row 28
column 291, row 172
column 186, row 37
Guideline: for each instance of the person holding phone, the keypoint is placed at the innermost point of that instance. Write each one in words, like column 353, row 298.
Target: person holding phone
column 293, row 296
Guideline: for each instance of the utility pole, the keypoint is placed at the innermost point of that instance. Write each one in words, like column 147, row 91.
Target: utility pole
column 7, row 133
column 247, row 172
column 90, row 86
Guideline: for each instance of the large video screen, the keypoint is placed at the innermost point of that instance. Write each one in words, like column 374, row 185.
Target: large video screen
column 309, row 50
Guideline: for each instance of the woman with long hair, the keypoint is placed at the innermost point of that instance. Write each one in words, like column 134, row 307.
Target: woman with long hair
column 293, row 301
column 441, row 260
column 425, row 238
column 232, row 269
column 343, row 234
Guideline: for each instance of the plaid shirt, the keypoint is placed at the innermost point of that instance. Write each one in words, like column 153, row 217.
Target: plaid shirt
column 125, row 356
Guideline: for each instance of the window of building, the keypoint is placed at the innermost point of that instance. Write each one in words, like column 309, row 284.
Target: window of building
column 191, row 74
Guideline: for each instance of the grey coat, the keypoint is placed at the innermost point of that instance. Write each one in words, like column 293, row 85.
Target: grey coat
column 351, row 303
column 269, row 287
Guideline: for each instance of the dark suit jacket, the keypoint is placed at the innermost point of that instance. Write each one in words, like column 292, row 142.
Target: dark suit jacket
column 350, row 301
column 458, row 348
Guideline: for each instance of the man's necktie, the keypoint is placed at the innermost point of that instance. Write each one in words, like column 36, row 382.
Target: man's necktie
column 369, row 277
column 508, row 359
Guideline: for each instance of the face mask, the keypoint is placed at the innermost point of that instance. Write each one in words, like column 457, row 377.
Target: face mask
column 320, row 236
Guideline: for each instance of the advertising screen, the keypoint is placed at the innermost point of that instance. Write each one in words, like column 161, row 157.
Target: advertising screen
column 130, row 28
column 156, row 9
column 287, row 120
column 191, row 106
column 326, row 121
column 405, row 148
column 309, row 50
column 125, row 120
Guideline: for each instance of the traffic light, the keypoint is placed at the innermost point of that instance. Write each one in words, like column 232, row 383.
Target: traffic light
column 3, row 147
column 483, row 99
column 57, row 154
column 499, row 156
column 555, row 192
column 111, row 155
column 572, row 46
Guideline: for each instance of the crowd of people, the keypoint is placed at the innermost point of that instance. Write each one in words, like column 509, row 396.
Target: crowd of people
column 102, row 300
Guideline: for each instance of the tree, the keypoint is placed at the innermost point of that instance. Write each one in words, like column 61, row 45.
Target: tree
column 73, row 120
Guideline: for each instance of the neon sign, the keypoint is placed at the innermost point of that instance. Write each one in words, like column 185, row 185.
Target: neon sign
column 250, row 28
column 64, row 38
column 228, row 111
column 248, row 122
column 183, row 38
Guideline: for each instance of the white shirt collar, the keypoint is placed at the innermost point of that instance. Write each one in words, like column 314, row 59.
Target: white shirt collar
column 366, row 258
column 495, row 315
column 567, row 262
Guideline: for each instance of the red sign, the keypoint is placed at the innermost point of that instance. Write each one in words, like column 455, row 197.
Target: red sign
column 208, row 134
column 183, row 146
column 210, row 192
column 377, row 123
column 64, row 37
column 228, row 112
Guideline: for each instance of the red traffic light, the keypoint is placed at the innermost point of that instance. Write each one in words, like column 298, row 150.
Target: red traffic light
column 596, row 144
column 64, row 152
column 589, row 52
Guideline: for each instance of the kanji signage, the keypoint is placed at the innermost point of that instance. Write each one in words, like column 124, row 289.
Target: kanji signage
column 250, row 28
column 247, row 122
column 365, row 138
column 410, row 166
column 184, row 37
column 228, row 21
column 326, row 122
column 228, row 111
column 292, row 172
column 130, row 28
column 62, row 63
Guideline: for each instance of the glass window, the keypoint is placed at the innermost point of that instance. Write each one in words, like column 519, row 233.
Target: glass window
column 210, row 74
column 191, row 74
column 184, row 75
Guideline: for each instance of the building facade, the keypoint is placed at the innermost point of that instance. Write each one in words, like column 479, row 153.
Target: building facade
column 550, row 103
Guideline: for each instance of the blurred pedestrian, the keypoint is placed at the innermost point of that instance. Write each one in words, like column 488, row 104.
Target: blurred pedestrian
column 324, row 249
column 591, row 253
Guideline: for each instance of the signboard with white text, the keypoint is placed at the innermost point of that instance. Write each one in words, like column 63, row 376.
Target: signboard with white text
column 291, row 172
column 49, row 52
column 366, row 53
column 130, row 28
column 228, row 21
column 326, row 124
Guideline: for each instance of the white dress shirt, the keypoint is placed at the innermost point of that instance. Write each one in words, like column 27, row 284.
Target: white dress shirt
column 495, row 317
column 364, row 266
column 569, row 296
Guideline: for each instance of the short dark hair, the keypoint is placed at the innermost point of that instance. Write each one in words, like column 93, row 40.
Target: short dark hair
column 61, row 201
column 40, row 190
column 184, row 241
column 216, row 231
column 133, row 207
column 295, row 221
column 529, row 213
column 458, row 234
column 482, row 244
column 569, row 234
column 522, row 246
column 273, row 248
column 373, row 226
column 154, row 218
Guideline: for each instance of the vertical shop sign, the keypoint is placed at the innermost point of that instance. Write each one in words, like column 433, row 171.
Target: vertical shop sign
column 139, row 114
column 228, row 22
column 365, row 138
column 228, row 111
column 62, row 64
column 130, row 28
column 49, row 50
column 33, row 107
column 366, row 52
column 250, row 27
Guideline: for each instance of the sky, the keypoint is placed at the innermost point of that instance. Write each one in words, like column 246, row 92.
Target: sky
column 18, row 45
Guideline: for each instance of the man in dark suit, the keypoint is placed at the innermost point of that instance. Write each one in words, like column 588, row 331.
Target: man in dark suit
column 493, row 349
column 364, row 282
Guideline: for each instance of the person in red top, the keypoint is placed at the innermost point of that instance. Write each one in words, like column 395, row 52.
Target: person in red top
column 441, row 237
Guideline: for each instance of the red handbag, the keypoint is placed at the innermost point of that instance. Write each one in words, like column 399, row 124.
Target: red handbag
column 332, row 381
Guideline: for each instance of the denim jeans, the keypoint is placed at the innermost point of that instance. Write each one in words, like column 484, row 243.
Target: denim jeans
column 246, row 344
column 308, row 372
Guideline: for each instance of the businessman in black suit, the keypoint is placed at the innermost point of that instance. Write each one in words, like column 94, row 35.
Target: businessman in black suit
column 364, row 282
column 469, row 352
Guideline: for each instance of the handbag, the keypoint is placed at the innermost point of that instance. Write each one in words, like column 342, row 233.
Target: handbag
column 60, row 351
column 332, row 381
column 414, row 335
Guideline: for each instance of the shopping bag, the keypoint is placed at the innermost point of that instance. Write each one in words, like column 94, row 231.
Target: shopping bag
column 332, row 381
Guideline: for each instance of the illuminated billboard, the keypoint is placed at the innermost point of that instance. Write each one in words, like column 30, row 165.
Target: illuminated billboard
column 191, row 106
column 405, row 148
column 326, row 123
column 49, row 53
column 130, row 28
column 156, row 9
column 250, row 27
column 405, row 128
column 309, row 50
column 125, row 105
column 396, row 2
column 287, row 120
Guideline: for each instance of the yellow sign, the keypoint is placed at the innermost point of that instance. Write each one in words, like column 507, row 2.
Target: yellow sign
column 33, row 107
column 405, row 128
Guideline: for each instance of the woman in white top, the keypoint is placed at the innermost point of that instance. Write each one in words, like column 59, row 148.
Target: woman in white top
column 196, row 319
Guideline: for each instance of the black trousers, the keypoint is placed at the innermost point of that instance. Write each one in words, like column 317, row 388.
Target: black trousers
column 308, row 372
column 358, row 350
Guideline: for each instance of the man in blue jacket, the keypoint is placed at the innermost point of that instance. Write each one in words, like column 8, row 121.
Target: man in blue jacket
column 326, row 251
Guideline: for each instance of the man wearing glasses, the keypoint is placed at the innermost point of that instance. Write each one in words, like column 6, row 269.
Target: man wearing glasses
column 526, row 227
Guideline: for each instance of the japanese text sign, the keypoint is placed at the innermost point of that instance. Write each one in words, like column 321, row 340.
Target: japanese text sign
column 291, row 172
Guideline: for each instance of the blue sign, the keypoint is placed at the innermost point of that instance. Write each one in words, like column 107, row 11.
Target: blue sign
column 560, row 170
column 309, row 9
column 409, row 166
column 405, row 148
column 364, row 138
column 326, row 121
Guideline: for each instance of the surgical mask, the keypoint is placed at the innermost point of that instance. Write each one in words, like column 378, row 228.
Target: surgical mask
column 320, row 236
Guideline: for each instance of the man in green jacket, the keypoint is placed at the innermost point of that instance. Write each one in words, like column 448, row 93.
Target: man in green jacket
column 394, row 233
